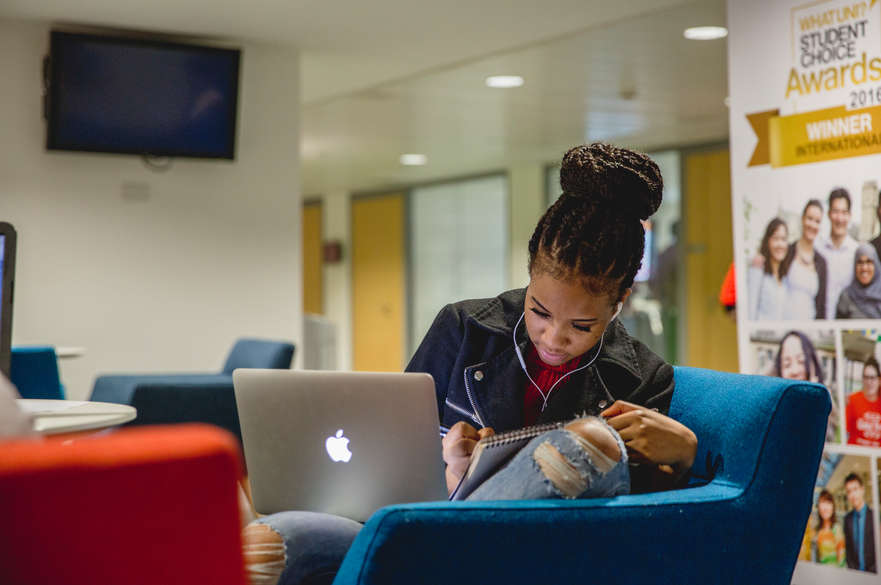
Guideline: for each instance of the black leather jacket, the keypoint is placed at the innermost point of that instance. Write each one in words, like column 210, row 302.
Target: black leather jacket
column 469, row 351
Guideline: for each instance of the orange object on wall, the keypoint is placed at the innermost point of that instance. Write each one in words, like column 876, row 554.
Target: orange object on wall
column 728, row 292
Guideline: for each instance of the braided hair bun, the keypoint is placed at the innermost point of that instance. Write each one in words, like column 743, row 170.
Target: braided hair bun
column 626, row 180
column 593, row 231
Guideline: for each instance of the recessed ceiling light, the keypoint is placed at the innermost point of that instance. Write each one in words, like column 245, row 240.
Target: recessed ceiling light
column 504, row 81
column 413, row 160
column 705, row 33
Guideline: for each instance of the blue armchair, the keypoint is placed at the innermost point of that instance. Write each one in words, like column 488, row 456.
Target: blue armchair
column 740, row 521
column 208, row 398
column 34, row 371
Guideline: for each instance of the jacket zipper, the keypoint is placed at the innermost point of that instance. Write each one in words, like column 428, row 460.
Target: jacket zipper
column 476, row 416
column 460, row 410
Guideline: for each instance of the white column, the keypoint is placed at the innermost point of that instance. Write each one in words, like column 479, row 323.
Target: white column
column 338, row 277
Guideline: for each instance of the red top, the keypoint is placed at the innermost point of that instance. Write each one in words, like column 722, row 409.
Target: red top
column 863, row 421
column 545, row 377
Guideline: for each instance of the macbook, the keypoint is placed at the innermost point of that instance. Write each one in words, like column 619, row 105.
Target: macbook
column 344, row 443
column 7, row 283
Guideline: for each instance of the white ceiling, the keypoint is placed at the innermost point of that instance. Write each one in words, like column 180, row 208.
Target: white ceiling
column 384, row 77
column 637, row 82
column 349, row 45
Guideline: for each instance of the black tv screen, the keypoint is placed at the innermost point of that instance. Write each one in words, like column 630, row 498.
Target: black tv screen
column 109, row 94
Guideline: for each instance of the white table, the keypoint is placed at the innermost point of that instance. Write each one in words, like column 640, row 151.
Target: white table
column 69, row 352
column 68, row 416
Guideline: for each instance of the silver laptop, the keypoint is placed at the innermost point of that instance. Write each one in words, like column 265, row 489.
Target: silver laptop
column 345, row 443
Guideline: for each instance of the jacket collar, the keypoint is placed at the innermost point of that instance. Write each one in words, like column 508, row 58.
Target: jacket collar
column 499, row 315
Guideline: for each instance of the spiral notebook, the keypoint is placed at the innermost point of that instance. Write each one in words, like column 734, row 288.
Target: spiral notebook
column 493, row 453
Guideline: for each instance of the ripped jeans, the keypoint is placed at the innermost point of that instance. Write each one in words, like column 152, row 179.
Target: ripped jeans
column 560, row 464
column 307, row 548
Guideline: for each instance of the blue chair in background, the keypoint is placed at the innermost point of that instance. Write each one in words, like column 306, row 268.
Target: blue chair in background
column 205, row 397
column 34, row 371
column 741, row 521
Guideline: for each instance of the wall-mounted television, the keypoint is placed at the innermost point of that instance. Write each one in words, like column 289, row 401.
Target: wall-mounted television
column 136, row 96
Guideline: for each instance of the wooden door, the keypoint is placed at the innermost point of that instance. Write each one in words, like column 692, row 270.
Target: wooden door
column 711, row 334
column 313, row 281
column 378, row 281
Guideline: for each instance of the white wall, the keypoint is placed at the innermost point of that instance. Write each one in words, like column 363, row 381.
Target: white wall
column 166, row 282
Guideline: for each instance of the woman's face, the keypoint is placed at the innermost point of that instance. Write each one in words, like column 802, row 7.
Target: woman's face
column 563, row 319
column 865, row 270
column 810, row 222
column 777, row 243
column 825, row 508
column 870, row 383
column 792, row 359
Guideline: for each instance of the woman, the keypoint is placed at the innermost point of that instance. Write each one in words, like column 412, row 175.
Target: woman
column 765, row 278
column 862, row 297
column 805, row 269
column 863, row 411
column 797, row 359
column 829, row 537
column 552, row 352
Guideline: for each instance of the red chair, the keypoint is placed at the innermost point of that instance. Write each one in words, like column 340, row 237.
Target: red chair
column 153, row 506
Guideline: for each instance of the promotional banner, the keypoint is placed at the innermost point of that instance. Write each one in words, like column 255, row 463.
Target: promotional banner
column 805, row 119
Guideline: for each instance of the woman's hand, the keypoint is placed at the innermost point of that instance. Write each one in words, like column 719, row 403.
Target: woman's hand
column 458, row 444
column 652, row 437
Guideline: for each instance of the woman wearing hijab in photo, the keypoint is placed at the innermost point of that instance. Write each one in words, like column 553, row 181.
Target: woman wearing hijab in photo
column 862, row 297
column 829, row 537
column 798, row 360
column 765, row 278
column 806, row 270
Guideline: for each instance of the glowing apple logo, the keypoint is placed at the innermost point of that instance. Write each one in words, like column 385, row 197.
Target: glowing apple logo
column 338, row 447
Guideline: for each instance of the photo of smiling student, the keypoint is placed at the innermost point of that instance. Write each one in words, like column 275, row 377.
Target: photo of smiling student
column 806, row 270
column 766, row 289
column 859, row 530
column 861, row 299
column 863, row 410
column 838, row 249
column 861, row 387
column 830, row 537
column 808, row 355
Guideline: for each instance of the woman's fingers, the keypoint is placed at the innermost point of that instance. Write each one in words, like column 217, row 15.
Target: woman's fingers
column 622, row 422
column 461, row 448
column 486, row 432
column 619, row 407
column 462, row 429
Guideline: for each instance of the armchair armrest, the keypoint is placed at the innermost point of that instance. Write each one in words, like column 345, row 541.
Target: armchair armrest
column 628, row 539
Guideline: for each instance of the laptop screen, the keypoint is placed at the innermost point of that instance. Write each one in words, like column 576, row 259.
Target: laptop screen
column 7, row 282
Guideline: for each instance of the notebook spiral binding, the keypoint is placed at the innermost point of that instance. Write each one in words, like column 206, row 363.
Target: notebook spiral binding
column 520, row 434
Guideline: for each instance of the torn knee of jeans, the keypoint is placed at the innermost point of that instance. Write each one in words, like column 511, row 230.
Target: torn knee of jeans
column 597, row 440
column 264, row 554
column 559, row 470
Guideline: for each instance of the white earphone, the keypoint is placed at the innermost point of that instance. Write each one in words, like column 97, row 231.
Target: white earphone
column 544, row 396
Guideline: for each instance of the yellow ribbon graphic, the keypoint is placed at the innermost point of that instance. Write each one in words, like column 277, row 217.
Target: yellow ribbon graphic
column 821, row 135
